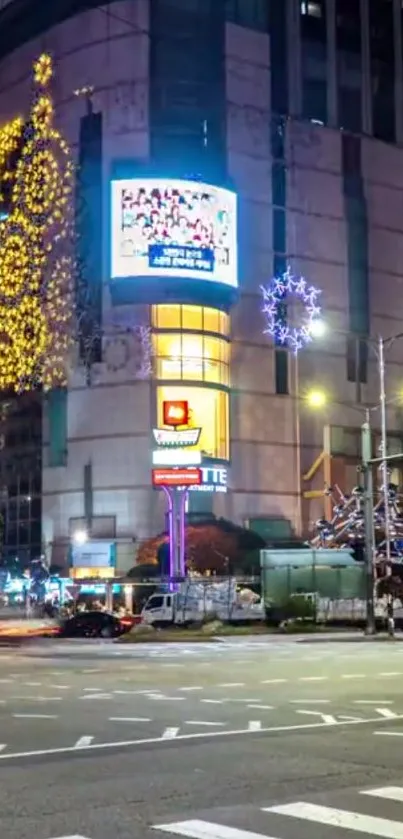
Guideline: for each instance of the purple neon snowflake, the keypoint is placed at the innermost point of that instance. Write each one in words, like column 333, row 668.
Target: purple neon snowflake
column 288, row 286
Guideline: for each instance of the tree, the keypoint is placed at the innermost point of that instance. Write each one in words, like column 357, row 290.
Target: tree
column 215, row 545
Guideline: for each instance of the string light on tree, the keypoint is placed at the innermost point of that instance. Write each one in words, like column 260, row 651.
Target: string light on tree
column 284, row 287
column 36, row 263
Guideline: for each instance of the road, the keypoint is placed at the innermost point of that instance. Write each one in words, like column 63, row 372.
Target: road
column 232, row 740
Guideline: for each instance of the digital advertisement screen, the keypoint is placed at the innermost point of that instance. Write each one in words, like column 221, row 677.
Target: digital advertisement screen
column 174, row 228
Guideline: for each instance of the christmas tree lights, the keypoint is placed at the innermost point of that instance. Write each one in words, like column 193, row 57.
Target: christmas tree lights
column 36, row 262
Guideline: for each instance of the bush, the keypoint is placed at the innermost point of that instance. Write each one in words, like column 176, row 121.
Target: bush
column 292, row 608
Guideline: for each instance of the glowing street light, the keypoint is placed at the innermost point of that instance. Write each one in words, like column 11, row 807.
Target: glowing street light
column 316, row 398
column 318, row 328
column 80, row 537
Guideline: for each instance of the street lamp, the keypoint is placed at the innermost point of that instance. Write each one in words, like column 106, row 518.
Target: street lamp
column 80, row 537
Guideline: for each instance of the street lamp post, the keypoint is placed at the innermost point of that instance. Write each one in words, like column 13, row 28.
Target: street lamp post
column 366, row 456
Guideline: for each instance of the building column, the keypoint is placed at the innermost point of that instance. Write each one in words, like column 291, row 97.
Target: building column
column 397, row 35
column 366, row 69
column 294, row 57
column 332, row 103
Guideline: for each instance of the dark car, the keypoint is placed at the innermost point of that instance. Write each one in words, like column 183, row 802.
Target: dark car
column 95, row 625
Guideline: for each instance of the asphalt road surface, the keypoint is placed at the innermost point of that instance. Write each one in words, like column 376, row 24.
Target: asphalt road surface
column 240, row 740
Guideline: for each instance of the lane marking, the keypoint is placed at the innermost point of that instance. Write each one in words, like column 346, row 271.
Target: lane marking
column 166, row 698
column 135, row 692
column 384, row 733
column 273, row 681
column 203, row 722
column 342, row 819
column 309, row 701
column 328, row 719
column 192, row 688
column 262, row 707
column 83, row 742
column 37, row 698
column 372, row 702
column 390, row 674
column 196, row 829
column 36, row 716
column 212, row 701
column 121, row 744
column 33, row 684
column 60, row 687
column 129, row 719
column 231, row 685
column 254, row 725
column 390, row 793
column 387, row 713
column 354, row 676
column 93, row 696
column 313, row 678
column 170, row 733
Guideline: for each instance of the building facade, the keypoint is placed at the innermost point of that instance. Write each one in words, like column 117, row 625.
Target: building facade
column 296, row 107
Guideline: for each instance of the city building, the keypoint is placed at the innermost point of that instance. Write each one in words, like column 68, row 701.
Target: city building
column 294, row 108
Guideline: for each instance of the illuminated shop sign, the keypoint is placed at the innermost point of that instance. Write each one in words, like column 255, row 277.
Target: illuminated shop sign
column 173, row 228
column 176, row 457
column 213, row 479
column 93, row 555
column 175, row 413
column 187, row 437
column 176, row 477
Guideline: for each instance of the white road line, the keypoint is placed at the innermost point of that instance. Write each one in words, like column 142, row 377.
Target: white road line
column 309, row 701
column 262, row 707
column 231, row 685
column 60, row 687
column 254, row 725
column 38, row 698
column 161, row 697
column 6, row 681
column 353, row 676
column 196, row 829
column 194, row 687
column 342, row 819
column 328, row 719
column 213, row 701
column 204, row 722
column 130, row 719
column 273, row 681
column 93, row 696
column 170, row 733
column 389, row 793
column 35, row 716
column 136, row 692
column 145, row 741
column 387, row 713
column 372, row 702
column 389, row 733
column 390, row 674
column 33, row 684
column 313, row 678
column 83, row 742
column 93, row 690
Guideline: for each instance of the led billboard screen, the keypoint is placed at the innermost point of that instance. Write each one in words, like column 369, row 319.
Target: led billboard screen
column 173, row 228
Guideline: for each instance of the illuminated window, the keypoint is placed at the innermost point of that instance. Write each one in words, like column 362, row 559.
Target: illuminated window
column 195, row 318
column 192, row 318
column 208, row 409
column 192, row 356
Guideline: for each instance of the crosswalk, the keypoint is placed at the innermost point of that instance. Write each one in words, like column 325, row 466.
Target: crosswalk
column 373, row 812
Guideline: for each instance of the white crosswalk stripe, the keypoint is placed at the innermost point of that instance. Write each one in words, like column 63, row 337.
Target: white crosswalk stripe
column 292, row 815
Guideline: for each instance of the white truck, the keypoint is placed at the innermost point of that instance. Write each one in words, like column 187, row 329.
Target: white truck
column 196, row 601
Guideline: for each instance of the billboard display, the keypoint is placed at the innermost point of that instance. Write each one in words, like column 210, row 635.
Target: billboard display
column 173, row 228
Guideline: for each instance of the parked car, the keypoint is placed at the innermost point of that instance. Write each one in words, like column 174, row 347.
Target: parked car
column 95, row 624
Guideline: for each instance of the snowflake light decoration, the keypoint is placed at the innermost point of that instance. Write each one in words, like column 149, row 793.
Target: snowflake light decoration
column 282, row 287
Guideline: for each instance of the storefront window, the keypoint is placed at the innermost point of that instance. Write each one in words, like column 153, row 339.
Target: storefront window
column 208, row 408
column 192, row 356
column 195, row 318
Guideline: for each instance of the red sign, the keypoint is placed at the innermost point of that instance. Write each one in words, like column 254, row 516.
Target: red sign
column 176, row 477
column 175, row 413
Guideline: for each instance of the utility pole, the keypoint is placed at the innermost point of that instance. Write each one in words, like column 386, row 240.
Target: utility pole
column 366, row 456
